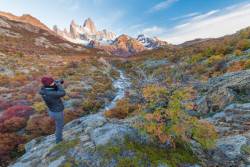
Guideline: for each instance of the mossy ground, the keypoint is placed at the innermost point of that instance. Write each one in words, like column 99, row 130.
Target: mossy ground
column 132, row 154
column 245, row 149
column 62, row 148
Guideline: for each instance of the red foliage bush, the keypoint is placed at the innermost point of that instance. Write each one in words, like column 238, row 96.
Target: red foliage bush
column 9, row 142
column 4, row 104
column 16, row 111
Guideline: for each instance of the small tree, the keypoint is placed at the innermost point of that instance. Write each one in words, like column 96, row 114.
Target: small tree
column 171, row 124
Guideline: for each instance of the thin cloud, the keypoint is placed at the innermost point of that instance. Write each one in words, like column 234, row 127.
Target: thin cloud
column 206, row 15
column 212, row 24
column 185, row 16
column 163, row 5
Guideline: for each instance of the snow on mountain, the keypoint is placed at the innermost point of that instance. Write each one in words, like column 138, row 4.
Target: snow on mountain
column 85, row 33
column 150, row 43
column 123, row 45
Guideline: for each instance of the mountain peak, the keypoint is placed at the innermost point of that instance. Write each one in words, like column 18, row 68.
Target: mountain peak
column 73, row 22
column 151, row 43
column 90, row 25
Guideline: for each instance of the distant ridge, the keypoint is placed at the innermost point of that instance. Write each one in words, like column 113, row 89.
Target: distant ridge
column 26, row 18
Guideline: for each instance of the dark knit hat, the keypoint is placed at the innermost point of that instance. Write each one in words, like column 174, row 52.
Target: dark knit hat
column 47, row 81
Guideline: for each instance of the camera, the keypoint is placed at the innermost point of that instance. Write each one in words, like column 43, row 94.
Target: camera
column 60, row 81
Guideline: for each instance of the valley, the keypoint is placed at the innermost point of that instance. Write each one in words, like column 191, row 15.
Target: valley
column 175, row 105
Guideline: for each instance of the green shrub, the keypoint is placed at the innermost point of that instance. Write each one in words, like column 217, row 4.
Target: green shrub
column 172, row 123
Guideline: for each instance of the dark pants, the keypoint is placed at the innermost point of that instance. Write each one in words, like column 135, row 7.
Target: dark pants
column 59, row 121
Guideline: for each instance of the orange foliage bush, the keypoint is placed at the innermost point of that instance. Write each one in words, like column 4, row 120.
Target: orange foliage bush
column 243, row 44
column 122, row 110
column 238, row 52
column 71, row 115
column 19, row 80
column 39, row 125
column 13, row 124
column 4, row 80
column 240, row 65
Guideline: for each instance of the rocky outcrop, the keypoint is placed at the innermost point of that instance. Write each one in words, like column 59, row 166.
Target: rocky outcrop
column 233, row 151
column 234, row 119
column 218, row 92
column 233, row 145
column 228, row 96
column 82, row 139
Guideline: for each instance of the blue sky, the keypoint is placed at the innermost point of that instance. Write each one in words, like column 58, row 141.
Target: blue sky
column 175, row 21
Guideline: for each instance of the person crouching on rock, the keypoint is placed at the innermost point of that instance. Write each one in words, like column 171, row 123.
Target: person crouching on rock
column 52, row 92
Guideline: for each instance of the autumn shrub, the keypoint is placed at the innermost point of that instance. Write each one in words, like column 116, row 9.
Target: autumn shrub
column 39, row 125
column 4, row 104
column 91, row 105
column 9, row 146
column 247, row 64
column 39, row 107
column 243, row 44
column 207, row 52
column 70, row 115
column 16, row 111
column 238, row 52
column 172, row 124
column 237, row 66
column 204, row 133
column 196, row 58
column 198, row 69
column 4, row 80
column 122, row 110
column 12, row 124
column 155, row 95
column 215, row 59
column 19, row 79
